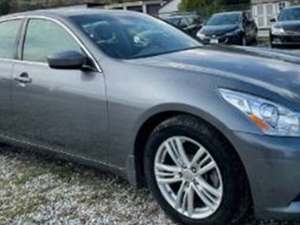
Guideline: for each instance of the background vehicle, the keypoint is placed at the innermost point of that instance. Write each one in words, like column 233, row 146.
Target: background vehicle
column 133, row 95
column 229, row 28
column 286, row 31
column 189, row 23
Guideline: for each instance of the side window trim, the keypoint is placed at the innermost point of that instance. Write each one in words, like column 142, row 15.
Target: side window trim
column 22, row 39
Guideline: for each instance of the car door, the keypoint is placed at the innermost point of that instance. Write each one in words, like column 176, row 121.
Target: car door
column 9, row 31
column 64, row 110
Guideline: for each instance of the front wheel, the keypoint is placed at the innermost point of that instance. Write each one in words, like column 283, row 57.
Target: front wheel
column 192, row 173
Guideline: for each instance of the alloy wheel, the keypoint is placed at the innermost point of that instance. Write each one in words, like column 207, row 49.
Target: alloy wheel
column 188, row 177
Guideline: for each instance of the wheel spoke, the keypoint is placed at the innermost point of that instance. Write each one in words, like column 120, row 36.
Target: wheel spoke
column 167, row 168
column 197, row 156
column 180, row 192
column 184, row 200
column 172, row 154
column 208, row 194
column 167, row 174
column 168, row 180
column 177, row 152
column 208, row 188
column 203, row 196
column 181, row 151
column 208, row 167
column 190, row 205
column 204, row 160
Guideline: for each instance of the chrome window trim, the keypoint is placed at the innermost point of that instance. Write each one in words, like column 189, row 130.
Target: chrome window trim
column 62, row 25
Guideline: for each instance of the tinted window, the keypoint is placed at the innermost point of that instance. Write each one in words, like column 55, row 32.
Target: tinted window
column 174, row 21
column 131, row 35
column 135, row 8
column 44, row 38
column 224, row 19
column 8, row 37
column 289, row 14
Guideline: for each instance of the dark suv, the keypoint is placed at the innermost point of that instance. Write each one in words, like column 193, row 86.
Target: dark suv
column 286, row 31
column 229, row 28
column 190, row 24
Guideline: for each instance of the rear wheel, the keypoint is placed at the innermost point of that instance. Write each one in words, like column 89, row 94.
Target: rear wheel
column 192, row 173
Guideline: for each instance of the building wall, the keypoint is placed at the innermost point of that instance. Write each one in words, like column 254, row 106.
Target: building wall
column 265, row 10
column 149, row 7
column 170, row 7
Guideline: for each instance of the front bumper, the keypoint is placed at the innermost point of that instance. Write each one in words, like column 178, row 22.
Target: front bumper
column 223, row 39
column 273, row 168
column 285, row 40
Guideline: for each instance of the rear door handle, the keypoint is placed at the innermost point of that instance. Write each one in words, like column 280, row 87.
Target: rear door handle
column 23, row 78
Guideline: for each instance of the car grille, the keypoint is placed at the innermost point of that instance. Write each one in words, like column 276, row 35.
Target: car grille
column 290, row 39
column 293, row 33
column 215, row 34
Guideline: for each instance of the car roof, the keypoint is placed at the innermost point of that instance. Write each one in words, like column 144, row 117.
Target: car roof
column 229, row 13
column 180, row 16
column 63, row 12
column 292, row 7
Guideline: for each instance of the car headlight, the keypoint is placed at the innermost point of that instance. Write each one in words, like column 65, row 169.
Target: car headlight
column 201, row 35
column 277, row 30
column 272, row 118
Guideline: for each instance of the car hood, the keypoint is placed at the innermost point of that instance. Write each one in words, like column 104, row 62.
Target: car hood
column 293, row 26
column 273, row 70
column 218, row 30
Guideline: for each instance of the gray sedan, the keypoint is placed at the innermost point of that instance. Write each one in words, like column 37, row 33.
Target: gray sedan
column 213, row 132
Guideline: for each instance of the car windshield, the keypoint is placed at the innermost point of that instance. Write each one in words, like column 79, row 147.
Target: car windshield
column 129, row 36
column 289, row 14
column 224, row 19
column 174, row 21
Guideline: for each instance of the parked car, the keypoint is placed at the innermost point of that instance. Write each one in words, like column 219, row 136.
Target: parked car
column 229, row 28
column 211, row 131
column 190, row 24
column 286, row 30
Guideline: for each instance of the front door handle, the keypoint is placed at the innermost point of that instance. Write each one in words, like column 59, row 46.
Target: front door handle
column 23, row 78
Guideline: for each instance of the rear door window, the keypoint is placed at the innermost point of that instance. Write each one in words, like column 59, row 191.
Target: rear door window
column 9, row 31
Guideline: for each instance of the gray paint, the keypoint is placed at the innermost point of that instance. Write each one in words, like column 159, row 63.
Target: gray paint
column 95, row 117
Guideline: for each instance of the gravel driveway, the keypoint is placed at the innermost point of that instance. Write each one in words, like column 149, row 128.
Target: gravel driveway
column 36, row 189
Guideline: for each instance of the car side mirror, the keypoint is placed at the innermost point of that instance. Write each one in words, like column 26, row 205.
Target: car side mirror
column 273, row 20
column 69, row 60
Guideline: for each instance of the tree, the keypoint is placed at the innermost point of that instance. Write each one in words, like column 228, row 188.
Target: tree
column 203, row 7
column 208, row 7
column 4, row 7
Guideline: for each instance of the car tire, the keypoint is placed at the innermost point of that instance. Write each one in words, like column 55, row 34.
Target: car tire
column 235, row 199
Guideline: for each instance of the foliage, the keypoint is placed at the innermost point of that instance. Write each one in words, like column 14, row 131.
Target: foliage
column 204, row 7
column 4, row 7
column 208, row 7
